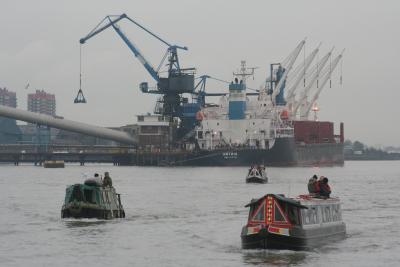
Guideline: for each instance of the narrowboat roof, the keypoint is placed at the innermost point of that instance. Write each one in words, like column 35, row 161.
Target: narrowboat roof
column 280, row 197
column 315, row 200
column 93, row 182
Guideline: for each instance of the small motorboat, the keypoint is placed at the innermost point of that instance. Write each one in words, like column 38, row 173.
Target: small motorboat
column 92, row 200
column 305, row 222
column 257, row 175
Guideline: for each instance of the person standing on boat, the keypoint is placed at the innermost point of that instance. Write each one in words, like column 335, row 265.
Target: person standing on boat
column 324, row 188
column 107, row 180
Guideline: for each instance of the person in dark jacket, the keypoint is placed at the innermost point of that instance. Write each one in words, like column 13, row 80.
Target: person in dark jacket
column 107, row 180
column 324, row 188
column 312, row 185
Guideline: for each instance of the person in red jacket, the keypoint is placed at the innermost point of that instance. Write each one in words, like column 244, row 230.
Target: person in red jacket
column 324, row 188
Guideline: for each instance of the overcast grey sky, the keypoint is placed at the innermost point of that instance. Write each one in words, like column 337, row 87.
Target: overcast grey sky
column 39, row 45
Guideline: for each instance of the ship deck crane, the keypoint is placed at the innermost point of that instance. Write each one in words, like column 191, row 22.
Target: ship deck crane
column 324, row 81
column 301, row 76
column 314, row 76
column 201, row 94
column 282, row 80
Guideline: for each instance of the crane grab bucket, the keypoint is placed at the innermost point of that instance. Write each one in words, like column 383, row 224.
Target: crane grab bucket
column 80, row 98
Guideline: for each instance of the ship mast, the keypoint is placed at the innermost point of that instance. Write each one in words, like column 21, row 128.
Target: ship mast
column 242, row 74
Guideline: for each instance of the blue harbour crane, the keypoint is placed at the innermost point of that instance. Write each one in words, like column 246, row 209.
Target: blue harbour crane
column 178, row 80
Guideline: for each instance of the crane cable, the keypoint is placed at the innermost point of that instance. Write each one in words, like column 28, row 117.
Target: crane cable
column 304, row 54
column 317, row 69
column 80, row 98
column 80, row 68
column 330, row 72
column 341, row 72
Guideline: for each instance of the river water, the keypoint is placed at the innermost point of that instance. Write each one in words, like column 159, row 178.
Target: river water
column 190, row 217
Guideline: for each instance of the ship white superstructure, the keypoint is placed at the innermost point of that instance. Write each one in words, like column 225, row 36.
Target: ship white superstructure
column 256, row 120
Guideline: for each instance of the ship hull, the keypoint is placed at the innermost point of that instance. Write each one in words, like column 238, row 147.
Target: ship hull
column 257, row 180
column 285, row 152
column 90, row 213
column 281, row 154
column 299, row 240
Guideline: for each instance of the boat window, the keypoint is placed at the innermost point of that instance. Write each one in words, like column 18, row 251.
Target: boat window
column 278, row 216
column 339, row 212
column 89, row 196
column 306, row 217
column 251, row 212
column 105, row 197
column 283, row 206
column 293, row 215
column 315, row 215
column 310, row 216
column 110, row 197
column 326, row 214
column 335, row 211
column 76, row 194
column 200, row 134
column 260, row 213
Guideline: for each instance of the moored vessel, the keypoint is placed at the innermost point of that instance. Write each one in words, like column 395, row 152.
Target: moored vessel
column 92, row 200
column 269, row 126
column 304, row 222
column 53, row 164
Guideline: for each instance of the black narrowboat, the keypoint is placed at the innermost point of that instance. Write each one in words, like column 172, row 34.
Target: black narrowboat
column 301, row 223
column 92, row 200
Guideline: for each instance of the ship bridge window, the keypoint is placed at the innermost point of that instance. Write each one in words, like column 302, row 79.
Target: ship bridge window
column 149, row 129
column 260, row 213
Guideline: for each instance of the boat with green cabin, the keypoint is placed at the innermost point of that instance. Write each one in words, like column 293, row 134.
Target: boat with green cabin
column 92, row 200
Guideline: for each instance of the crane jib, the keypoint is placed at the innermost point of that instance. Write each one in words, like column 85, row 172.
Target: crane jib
column 112, row 22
